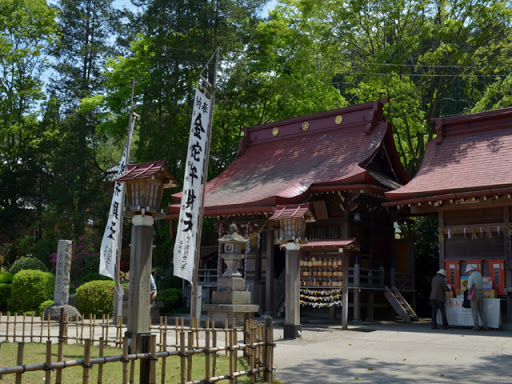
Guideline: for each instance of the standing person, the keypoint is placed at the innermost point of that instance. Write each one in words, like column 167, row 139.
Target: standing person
column 153, row 288
column 477, row 302
column 437, row 298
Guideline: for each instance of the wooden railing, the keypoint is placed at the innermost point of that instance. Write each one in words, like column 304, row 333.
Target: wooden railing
column 178, row 341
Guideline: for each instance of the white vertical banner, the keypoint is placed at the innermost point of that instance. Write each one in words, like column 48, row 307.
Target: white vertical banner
column 111, row 241
column 186, row 236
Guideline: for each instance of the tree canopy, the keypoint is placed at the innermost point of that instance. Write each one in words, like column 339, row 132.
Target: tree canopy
column 62, row 130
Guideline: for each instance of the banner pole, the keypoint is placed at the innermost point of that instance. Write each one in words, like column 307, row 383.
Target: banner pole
column 195, row 304
column 118, row 297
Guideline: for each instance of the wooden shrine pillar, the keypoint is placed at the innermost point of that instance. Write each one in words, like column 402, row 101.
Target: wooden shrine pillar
column 357, row 281
column 508, row 262
column 269, row 274
column 344, row 305
column 440, row 225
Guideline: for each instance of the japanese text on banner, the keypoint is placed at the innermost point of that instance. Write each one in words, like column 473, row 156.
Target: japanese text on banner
column 185, row 246
column 111, row 240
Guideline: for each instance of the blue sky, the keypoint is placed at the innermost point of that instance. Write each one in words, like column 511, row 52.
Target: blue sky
column 270, row 5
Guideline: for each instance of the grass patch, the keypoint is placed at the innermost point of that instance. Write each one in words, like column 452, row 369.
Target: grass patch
column 112, row 372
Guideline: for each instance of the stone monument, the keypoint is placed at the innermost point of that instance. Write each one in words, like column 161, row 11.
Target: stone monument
column 61, row 290
column 231, row 300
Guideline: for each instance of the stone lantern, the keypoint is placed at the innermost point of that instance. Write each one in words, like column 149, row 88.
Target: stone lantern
column 145, row 183
column 292, row 219
column 231, row 300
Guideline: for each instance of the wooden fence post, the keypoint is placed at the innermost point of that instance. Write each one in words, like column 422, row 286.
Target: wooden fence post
column 226, row 334
column 269, row 349
column 152, row 360
column 100, row 366
column 214, row 345
column 164, row 359
column 66, row 325
column 15, row 326
column 189, row 357
column 144, row 366
column 125, row 360
column 82, row 330
column 7, row 326
column 176, row 326
column 231, row 362
column 61, row 323
column 41, row 329
column 207, row 355
column 183, row 357
column 48, row 362
column 107, row 322
column 87, row 362
column 19, row 361
column 119, row 331
column 251, row 352
column 23, row 327
column 235, row 349
column 133, row 348
column 60, row 357
column 31, row 327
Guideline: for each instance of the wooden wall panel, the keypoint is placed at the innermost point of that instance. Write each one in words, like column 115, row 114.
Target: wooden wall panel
column 473, row 216
column 458, row 248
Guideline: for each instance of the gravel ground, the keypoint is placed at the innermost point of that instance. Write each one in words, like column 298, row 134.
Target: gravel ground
column 391, row 352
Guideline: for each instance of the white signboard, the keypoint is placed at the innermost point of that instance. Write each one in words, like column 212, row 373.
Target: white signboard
column 111, row 241
column 456, row 314
column 186, row 237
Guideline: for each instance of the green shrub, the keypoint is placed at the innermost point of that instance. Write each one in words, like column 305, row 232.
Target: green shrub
column 95, row 297
column 29, row 289
column 43, row 306
column 6, row 278
column 92, row 276
column 5, row 295
column 26, row 262
column 171, row 298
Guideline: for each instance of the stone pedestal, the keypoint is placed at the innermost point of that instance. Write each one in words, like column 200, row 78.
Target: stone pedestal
column 231, row 301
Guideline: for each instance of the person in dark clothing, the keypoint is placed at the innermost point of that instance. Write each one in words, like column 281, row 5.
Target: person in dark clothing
column 437, row 298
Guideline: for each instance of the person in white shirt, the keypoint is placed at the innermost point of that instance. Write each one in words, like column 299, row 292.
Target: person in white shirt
column 153, row 288
column 477, row 303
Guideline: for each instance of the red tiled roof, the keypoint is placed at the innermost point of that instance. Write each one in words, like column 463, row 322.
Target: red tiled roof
column 146, row 171
column 469, row 158
column 278, row 163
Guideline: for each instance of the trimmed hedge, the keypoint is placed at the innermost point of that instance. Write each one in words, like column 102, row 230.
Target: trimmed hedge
column 29, row 289
column 95, row 297
column 43, row 306
column 26, row 262
column 93, row 276
column 5, row 295
column 171, row 298
column 6, row 278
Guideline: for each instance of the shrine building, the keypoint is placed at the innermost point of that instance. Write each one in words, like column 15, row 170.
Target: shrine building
column 331, row 170
column 465, row 179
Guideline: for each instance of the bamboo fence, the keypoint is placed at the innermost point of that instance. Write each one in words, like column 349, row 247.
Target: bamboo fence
column 178, row 339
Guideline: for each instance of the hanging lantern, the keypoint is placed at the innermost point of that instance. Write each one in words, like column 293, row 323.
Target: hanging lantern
column 145, row 184
column 292, row 220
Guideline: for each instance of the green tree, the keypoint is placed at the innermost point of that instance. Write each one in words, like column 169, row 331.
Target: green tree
column 27, row 31
column 280, row 74
column 78, row 165
column 431, row 58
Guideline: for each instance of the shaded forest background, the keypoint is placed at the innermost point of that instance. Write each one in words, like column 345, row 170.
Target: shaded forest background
column 66, row 69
